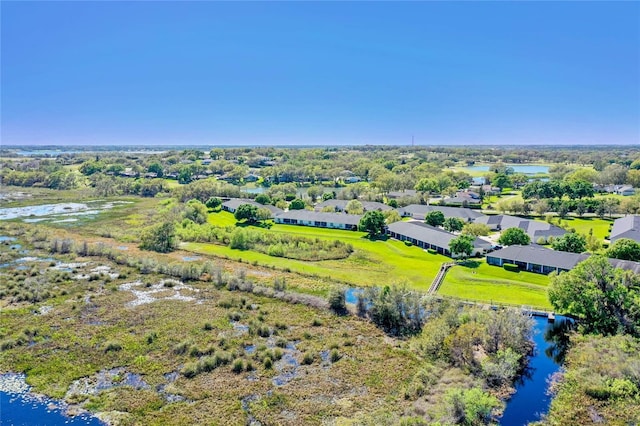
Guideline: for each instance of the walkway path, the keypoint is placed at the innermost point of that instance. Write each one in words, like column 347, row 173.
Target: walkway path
column 438, row 279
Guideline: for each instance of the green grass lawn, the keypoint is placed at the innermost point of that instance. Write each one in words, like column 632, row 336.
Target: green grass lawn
column 377, row 262
column 222, row 218
column 389, row 261
column 582, row 225
column 492, row 284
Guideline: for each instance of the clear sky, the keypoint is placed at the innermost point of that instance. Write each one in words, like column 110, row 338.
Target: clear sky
column 320, row 73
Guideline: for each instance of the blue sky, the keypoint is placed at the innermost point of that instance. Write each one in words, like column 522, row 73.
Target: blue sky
column 320, row 73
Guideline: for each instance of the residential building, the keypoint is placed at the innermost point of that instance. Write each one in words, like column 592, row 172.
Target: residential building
column 626, row 190
column 419, row 211
column 319, row 219
column 427, row 237
column 394, row 195
column 340, row 205
column 533, row 228
column 626, row 227
column 544, row 261
column 464, row 198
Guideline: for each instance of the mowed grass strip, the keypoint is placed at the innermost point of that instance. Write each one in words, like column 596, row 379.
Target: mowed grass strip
column 492, row 284
column 378, row 262
column 583, row 225
column 221, row 218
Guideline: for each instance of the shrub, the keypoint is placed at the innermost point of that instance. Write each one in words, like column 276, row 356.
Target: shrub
column 181, row 348
column 264, row 331
column 511, row 267
column 112, row 347
column 151, row 337
column 235, row 316
column 337, row 301
column 207, row 326
column 268, row 363
column 335, row 356
column 189, row 370
column 208, row 363
column 238, row 366
column 316, row 322
column 408, row 243
column 276, row 354
column 308, row 358
column 432, row 251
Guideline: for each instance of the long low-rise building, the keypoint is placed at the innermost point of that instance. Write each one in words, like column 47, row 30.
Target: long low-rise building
column 319, row 219
column 340, row 205
column 626, row 227
column 544, row 261
column 419, row 211
column 232, row 205
column 533, row 228
column 428, row 237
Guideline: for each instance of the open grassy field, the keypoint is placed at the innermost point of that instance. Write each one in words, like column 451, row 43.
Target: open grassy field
column 583, row 225
column 221, row 218
column 491, row 284
column 390, row 261
column 380, row 263
column 376, row 262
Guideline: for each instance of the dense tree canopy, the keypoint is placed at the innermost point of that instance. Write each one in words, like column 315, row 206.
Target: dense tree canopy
column 453, row 224
column 605, row 299
column 214, row 202
column 625, row 249
column 354, row 207
column 263, row 199
column 373, row 223
column 296, row 204
column 571, row 242
column 196, row 211
column 160, row 238
column 246, row 211
column 476, row 229
column 434, row 218
column 462, row 245
column 514, row 236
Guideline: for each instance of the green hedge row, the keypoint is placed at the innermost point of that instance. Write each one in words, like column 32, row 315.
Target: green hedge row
column 510, row 267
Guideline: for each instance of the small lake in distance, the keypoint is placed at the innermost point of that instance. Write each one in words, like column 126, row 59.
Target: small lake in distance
column 527, row 169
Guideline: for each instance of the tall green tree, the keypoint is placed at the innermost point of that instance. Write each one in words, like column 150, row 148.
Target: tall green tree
column 605, row 299
column 476, row 229
column 373, row 223
column 571, row 242
column 160, row 238
column 514, row 236
column 354, row 207
column 453, row 224
column 296, row 204
column 625, row 249
column 196, row 211
column 213, row 203
column 434, row 218
column 462, row 245
column 247, row 212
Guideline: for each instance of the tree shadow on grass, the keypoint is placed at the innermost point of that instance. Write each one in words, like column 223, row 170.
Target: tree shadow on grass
column 247, row 224
column 473, row 264
column 376, row 238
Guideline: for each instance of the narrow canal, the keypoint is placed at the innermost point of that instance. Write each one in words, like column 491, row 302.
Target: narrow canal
column 531, row 400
